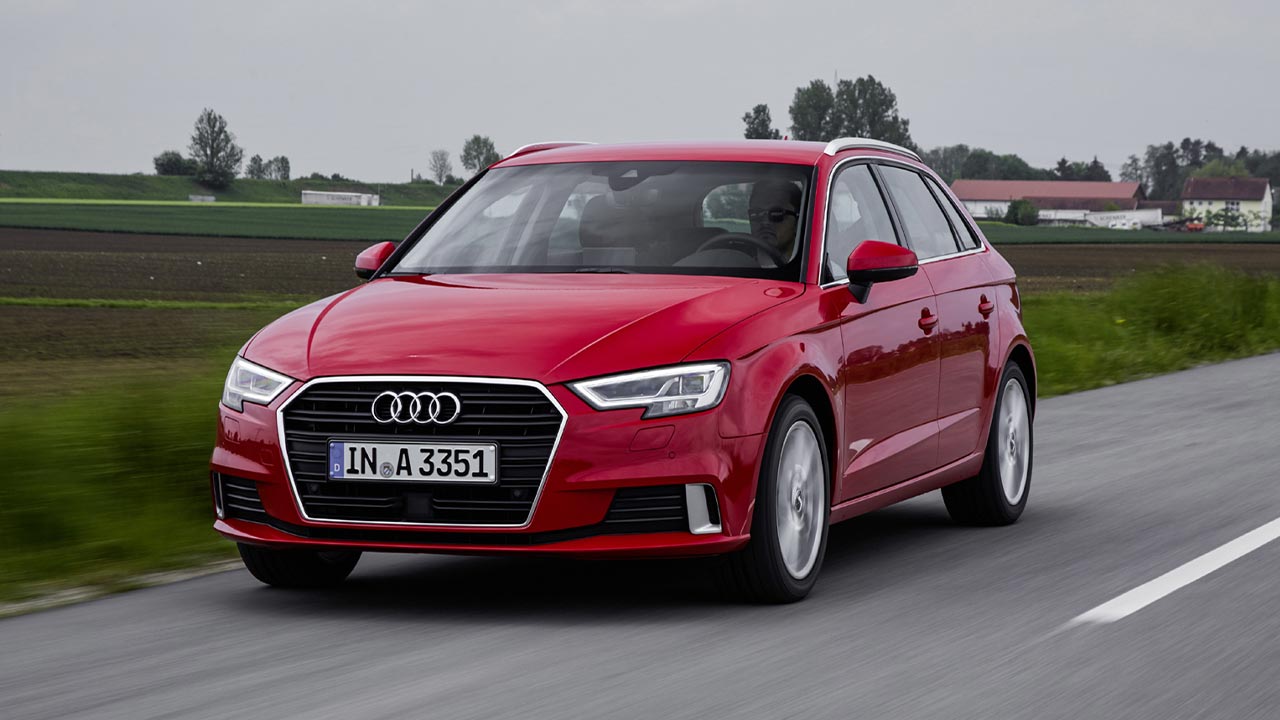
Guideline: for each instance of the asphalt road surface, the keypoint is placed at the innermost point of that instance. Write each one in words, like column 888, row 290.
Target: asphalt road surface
column 913, row 617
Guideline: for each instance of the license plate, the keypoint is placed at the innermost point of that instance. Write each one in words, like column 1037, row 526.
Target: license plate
column 413, row 462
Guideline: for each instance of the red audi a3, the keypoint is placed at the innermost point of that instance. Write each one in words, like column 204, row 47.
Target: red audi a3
column 654, row 350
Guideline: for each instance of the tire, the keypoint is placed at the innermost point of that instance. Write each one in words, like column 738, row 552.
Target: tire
column 298, row 568
column 781, row 562
column 998, row 494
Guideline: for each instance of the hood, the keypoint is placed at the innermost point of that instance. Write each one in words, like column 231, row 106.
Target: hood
column 550, row 328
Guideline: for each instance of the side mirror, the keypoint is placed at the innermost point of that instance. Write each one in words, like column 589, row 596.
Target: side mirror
column 874, row 261
column 368, row 262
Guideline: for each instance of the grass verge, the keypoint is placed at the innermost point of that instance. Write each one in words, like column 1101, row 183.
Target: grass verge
column 1152, row 323
column 111, row 482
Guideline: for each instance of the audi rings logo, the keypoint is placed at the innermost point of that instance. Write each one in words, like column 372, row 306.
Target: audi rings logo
column 423, row 408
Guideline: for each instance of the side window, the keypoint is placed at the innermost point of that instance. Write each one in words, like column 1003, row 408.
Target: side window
column 968, row 241
column 855, row 212
column 927, row 228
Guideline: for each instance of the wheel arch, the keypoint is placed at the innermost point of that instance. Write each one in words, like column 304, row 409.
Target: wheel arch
column 812, row 390
column 1020, row 354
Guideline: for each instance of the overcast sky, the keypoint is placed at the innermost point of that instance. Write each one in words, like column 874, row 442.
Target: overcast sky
column 368, row 89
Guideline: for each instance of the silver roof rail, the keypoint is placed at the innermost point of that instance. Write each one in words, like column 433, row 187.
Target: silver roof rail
column 549, row 145
column 850, row 143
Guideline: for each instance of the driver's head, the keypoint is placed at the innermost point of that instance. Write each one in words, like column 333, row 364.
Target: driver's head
column 774, row 211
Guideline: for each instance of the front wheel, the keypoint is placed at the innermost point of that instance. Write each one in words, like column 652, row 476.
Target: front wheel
column 299, row 568
column 792, row 511
column 997, row 495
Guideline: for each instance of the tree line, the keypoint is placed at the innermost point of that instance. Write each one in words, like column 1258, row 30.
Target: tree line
column 866, row 107
column 215, row 159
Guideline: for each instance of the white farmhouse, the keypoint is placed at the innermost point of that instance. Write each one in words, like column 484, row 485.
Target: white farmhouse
column 1251, row 197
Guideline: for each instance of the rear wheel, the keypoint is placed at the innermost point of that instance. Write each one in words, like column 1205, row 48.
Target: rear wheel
column 998, row 493
column 298, row 568
column 792, row 510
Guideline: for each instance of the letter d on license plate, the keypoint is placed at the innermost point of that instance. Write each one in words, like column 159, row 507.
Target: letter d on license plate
column 413, row 462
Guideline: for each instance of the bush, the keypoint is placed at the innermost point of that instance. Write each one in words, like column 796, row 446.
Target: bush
column 171, row 162
column 1022, row 212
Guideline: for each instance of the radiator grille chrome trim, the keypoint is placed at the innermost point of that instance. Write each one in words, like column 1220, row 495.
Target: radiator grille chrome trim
column 293, row 487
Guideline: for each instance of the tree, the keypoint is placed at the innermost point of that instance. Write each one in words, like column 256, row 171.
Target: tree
column 867, row 108
column 811, row 112
column 1022, row 212
column 1096, row 171
column 986, row 165
column 440, row 166
column 1132, row 171
column 947, row 160
column 171, row 162
column 1222, row 168
column 479, row 153
column 277, row 168
column 760, row 124
column 256, row 169
column 451, row 180
column 214, row 150
column 1163, row 172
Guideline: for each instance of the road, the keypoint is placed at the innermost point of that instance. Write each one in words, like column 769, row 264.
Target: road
column 913, row 617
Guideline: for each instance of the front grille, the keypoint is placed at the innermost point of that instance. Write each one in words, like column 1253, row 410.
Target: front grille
column 240, row 499
column 521, row 419
column 649, row 509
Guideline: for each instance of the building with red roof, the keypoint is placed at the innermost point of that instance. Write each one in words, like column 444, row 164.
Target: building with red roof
column 1249, row 199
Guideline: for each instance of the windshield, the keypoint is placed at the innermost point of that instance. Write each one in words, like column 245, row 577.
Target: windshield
column 695, row 218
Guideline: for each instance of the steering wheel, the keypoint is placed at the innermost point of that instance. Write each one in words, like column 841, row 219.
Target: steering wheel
column 734, row 241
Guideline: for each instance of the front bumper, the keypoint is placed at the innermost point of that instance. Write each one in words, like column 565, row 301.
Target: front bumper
column 599, row 454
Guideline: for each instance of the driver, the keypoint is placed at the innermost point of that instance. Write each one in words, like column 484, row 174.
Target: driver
column 774, row 211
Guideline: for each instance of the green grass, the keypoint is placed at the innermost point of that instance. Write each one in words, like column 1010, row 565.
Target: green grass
column 203, row 219
column 96, row 186
column 274, row 304
column 1003, row 234
column 107, row 477
column 1152, row 323
column 104, row 486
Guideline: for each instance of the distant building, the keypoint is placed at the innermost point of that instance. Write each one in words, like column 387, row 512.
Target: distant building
column 1067, row 201
column 1251, row 197
column 315, row 197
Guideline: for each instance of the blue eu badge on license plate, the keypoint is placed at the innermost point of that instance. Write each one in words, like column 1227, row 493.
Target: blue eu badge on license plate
column 335, row 460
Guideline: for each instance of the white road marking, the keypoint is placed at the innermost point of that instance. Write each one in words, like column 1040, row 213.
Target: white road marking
column 1143, row 595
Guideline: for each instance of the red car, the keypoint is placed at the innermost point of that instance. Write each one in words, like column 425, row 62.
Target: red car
column 657, row 350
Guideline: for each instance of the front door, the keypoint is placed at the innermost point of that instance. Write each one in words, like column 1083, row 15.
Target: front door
column 891, row 369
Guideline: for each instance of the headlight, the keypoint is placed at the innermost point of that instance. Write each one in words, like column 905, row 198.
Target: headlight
column 668, row 391
column 254, row 383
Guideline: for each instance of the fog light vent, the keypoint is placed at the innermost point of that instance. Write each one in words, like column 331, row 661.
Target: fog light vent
column 704, row 513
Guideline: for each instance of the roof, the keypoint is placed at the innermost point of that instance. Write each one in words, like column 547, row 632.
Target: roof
column 1221, row 188
column 1017, row 189
column 792, row 152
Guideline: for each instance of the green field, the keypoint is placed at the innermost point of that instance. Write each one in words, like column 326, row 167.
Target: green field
column 216, row 219
column 291, row 220
column 97, row 186
column 1003, row 234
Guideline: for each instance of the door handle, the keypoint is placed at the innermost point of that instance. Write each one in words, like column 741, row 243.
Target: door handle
column 927, row 321
column 985, row 306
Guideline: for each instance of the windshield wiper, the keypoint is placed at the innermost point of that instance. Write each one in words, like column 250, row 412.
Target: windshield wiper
column 604, row 270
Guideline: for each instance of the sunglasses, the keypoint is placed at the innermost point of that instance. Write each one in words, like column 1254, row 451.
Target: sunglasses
column 773, row 214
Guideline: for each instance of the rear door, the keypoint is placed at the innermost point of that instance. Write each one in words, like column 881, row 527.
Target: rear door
column 949, row 253
column 890, row 373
